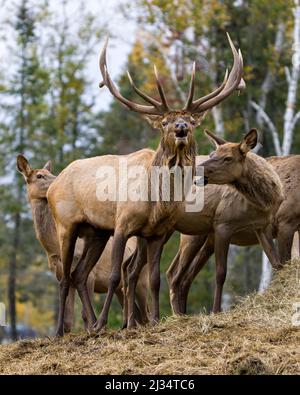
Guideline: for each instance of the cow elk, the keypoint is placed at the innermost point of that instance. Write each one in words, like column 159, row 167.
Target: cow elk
column 240, row 213
column 75, row 199
column 38, row 181
column 192, row 256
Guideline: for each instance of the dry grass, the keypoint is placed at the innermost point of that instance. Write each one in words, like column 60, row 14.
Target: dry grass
column 256, row 337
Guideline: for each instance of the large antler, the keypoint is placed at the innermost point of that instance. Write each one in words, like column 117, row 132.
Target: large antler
column 232, row 82
column 156, row 108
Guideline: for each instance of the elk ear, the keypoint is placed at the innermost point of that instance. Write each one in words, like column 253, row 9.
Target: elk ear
column 23, row 166
column 154, row 120
column 249, row 141
column 199, row 117
column 48, row 166
column 216, row 140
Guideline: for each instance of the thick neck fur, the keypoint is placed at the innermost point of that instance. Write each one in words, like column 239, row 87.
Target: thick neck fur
column 172, row 156
column 44, row 225
column 259, row 183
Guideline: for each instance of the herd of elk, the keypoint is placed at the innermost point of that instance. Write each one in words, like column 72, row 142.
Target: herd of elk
column 194, row 251
column 38, row 182
column 83, row 220
column 75, row 201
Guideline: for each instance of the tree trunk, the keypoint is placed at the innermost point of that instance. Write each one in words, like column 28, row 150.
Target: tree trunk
column 293, row 85
column 12, row 278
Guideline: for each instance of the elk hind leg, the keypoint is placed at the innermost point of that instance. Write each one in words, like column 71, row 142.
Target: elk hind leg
column 222, row 241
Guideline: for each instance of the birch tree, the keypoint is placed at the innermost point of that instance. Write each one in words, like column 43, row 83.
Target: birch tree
column 290, row 117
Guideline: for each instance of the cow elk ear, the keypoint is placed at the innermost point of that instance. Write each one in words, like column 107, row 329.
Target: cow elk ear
column 23, row 166
column 154, row 120
column 48, row 166
column 249, row 141
column 215, row 140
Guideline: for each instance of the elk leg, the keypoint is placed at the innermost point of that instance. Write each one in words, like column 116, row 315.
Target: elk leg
column 69, row 310
column 94, row 247
column 222, row 241
column 90, row 289
column 196, row 266
column 285, row 238
column 266, row 241
column 67, row 240
column 118, row 249
column 142, row 302
column 125, row 273
column 154, row 251
column 178, row 267
column 134, row 269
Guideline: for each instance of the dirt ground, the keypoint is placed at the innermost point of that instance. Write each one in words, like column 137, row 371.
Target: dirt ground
column 259, row 336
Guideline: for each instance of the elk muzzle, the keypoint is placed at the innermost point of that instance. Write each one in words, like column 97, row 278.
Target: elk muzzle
column 181, row 133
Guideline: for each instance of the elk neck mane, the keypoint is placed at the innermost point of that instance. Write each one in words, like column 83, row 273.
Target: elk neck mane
column 174, row 156
column 259, row 183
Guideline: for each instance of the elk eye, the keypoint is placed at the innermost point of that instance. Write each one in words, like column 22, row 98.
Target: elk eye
column 39, row 176
column 228, row 159
column 164, row 123
column 193, row 122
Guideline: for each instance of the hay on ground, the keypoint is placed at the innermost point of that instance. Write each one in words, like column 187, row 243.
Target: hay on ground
column 258, row 336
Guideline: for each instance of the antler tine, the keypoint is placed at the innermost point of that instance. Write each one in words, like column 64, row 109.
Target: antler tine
column 226, row 88
column 149, row 99
column 150, row 110
column 161, row 90
column 192, row 88
column 194, row 105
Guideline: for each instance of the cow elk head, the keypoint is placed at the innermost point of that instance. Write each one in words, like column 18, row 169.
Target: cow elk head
column 225, row 165
column 38, row 180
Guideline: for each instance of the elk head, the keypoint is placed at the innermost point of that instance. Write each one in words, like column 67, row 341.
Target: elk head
column 225, row 165
column 37, row 181
column 177, row 126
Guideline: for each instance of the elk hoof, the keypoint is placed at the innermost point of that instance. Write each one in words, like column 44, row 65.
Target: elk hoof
column 59, row 333
column 99, row 326
column 154, row 321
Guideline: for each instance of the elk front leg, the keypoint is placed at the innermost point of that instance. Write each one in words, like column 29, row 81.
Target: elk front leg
column 134, row 269
column 142, row 299
column 67, row 240
column 90, row 284
column 222, row 241
column 196, row 266
column 118, row 249
column 178, row 268
column 69, row 310
column 266, row 241
column 154, row 251
column 285, row 239
column 129, row 262
column 93, row 249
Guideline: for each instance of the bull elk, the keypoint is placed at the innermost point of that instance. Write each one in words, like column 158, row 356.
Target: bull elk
column 75, row 200
column 38, row 182
column 192, row 255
